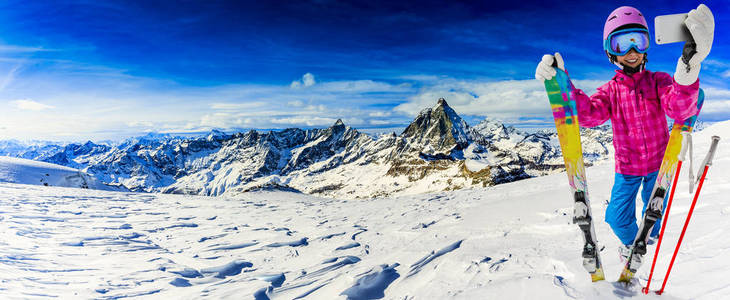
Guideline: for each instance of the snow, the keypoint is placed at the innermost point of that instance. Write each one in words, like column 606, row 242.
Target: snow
column 476, row 165
column 25, row 171
column 510, row 241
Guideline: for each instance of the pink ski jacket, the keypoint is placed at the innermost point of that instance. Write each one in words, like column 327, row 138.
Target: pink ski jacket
column 636, row 106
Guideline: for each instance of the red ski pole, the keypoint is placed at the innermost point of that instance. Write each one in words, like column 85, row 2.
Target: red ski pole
column 680, row 157
column 707, row 163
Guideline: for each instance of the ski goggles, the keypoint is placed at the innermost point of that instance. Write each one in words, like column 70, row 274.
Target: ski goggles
column 619, row 43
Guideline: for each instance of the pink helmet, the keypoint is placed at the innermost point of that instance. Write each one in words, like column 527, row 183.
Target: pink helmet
column 621, row 16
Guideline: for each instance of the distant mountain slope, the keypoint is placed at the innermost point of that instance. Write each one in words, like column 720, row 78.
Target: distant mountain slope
column 24, row 171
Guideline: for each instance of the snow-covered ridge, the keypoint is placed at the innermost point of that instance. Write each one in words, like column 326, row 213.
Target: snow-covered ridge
column 437, row 151
column 24, row 171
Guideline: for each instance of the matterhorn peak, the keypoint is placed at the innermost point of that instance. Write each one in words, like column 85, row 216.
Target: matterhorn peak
column 440, row 128
column 339, row 123
column 442, row 105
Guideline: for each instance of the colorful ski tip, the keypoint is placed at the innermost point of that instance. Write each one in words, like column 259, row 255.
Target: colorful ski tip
column 626, row 276
column 598, row 275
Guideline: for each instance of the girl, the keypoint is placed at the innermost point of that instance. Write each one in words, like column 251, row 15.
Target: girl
column 636, row 101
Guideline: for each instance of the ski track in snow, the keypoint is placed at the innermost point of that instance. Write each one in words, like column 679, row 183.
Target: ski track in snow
column 512, row 241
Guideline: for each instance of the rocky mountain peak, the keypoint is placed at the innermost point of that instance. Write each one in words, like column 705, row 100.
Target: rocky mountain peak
column 495, row 130
column 439, row 129
column 337, row 129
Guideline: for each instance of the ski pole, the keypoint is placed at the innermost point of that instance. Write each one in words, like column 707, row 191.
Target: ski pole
column 707, row 163
column 680, row 157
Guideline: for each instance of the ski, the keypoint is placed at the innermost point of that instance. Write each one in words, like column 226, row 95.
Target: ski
column 566, row 122
column 654, row 208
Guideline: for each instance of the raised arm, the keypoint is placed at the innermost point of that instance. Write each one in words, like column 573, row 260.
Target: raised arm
column 679, row 94
column 593, row 110
column 678, row 101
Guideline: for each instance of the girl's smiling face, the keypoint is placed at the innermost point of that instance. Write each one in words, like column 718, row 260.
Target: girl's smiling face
column 632, row 59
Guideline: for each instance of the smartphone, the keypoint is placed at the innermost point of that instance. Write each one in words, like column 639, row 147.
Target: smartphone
column 671, row 29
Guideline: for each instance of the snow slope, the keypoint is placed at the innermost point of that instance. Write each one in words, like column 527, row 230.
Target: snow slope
column 511, row 241
column 25, row 171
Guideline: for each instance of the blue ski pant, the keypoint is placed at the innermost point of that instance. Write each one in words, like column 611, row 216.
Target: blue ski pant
column 621, row 211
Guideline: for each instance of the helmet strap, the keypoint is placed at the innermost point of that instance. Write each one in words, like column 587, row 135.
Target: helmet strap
column 612, row 58
column 631, row 70
column 628, row 70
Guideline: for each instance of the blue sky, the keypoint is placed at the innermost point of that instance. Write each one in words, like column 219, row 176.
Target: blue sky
column 107, row 70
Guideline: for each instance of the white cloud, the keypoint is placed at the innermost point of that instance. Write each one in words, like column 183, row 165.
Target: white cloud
column 716, row 63
column 726, row 74
column 715, row 106
column 362, row 86
column 380, row 114
column 296, row 103
column 507, row 100
column 426, row 78
column 381, row 122
column 306, row 81
column 236, row 106
column 147, row 124
column 9, row 77
column 243, row 121
column 309, row 121
column 15, row 48
column 27, row 104
column 319, row 108
column 218, row 120
column 715, row 92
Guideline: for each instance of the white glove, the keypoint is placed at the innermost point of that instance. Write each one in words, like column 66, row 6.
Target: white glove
column 545, row 70
column 701, row 24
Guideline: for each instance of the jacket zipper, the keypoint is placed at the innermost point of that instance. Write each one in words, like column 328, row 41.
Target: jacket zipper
column 637, row 93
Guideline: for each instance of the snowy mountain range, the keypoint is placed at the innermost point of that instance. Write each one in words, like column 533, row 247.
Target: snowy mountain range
column 438, row 151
